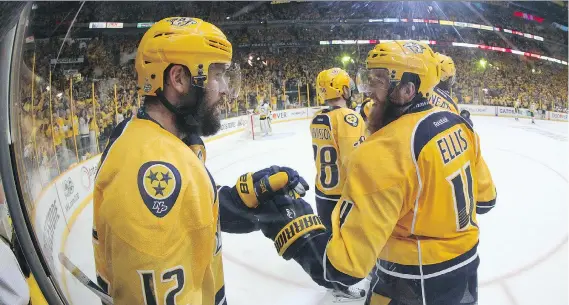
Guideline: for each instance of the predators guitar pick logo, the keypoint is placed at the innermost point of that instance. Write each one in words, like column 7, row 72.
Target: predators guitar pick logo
column 159, row 185
column 351, row 119
column 414, row 47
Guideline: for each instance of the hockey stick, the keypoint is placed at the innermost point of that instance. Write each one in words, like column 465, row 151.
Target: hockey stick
column 82, row 277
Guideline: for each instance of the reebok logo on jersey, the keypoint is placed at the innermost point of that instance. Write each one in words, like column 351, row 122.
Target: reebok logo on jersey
column 159, row 184
column 351, row 119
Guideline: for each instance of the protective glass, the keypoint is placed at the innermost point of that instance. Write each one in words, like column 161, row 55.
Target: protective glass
column 362, row 81
column 366, row 79
column 227, row 77
column 232, row 80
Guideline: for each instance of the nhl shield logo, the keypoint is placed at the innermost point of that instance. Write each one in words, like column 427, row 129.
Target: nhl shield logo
column 414, row 47
column 159, row 184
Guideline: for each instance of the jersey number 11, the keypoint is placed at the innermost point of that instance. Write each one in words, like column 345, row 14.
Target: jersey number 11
column 463, row 202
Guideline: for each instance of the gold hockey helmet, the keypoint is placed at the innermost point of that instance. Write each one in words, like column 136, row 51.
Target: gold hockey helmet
column 186, row 41
column 403, row 56
column 448, row 70
column 330, row 83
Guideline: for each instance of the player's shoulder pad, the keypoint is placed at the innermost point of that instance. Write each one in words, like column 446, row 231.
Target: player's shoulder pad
column 432, row 125
column 321, row 118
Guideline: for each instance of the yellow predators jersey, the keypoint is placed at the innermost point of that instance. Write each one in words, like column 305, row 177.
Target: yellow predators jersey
column 441, row 98
column 335, row 133
column 156, row 232
column 410, row 198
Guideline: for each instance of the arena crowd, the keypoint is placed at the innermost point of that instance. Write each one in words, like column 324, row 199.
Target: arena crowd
column 69, row 109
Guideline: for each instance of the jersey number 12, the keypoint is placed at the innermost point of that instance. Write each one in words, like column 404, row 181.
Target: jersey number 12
column 148, row 285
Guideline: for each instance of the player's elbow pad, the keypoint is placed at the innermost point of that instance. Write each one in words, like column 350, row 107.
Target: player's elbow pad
column 233, row 217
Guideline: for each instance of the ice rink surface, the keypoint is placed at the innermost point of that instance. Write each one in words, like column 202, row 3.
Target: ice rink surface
column 523, row 242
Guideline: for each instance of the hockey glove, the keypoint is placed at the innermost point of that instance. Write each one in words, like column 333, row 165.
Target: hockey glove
column 235, row 203
column 289, row 222
column 252, row 188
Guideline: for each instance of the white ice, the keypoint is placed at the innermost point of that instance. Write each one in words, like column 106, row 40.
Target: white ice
column 523, row 242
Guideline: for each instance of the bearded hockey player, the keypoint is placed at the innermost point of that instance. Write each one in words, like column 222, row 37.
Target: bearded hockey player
column 336, row 132
column 158, row 214
column 409, row 204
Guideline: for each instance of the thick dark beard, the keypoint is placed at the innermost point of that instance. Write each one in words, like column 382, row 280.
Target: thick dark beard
column 201, row 120
column 209, row 122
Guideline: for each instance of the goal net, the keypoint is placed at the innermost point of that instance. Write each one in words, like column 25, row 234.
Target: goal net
column 253, row 126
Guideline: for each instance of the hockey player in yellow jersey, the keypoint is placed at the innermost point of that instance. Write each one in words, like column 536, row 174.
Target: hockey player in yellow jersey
column 440, row 96
column 158, row 214
column 336, row 132
column 409, row 205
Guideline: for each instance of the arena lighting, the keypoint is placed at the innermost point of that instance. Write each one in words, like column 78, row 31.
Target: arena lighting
column 102, row 25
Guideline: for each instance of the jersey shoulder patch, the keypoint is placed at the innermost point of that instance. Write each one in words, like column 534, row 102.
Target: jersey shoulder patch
column 159, row 185
column 351, row 119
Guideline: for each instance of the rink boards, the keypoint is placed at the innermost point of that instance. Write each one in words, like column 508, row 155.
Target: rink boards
column 510, row 112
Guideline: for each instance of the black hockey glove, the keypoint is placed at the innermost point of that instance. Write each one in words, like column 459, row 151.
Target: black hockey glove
column 253, row 188
column 237, row 203
column 289, row 222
